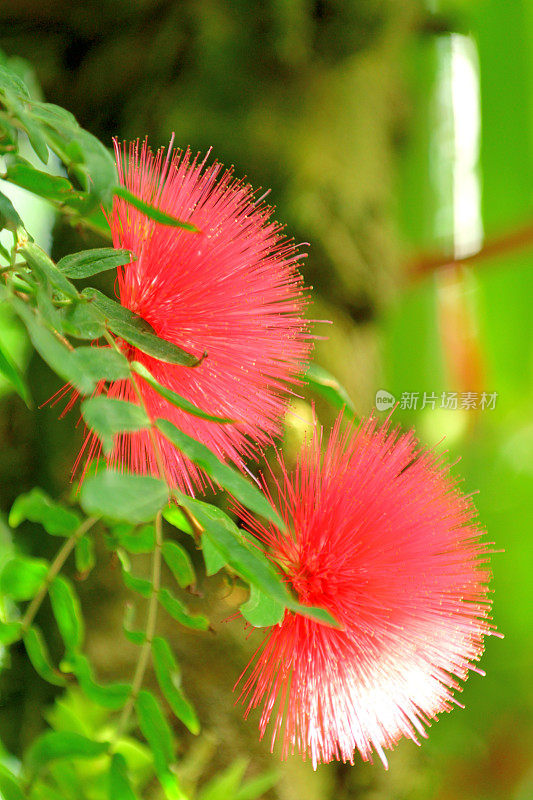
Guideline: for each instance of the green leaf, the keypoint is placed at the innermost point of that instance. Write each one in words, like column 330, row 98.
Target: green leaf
column 169, row 679
column 84, row 556
column 40, row 658
column 226, row 783
column 34, row 132
column 112, row 312
column 132, row 498
column 52, row 187
column 324, row 384
column 8, row 137
column 52, row 114
column 101, row 363
column 108, row 417
column 175, row 516
column 245, row 558
column 224, row 475
column 90, row 262
column 153, row 213
column 135, row 540
column 9, row 786
column 37, row 506
column 140, row 585
column 9, row 632
column 112, row 695
column 10, row 82
column 257, row 787
column 178, row 561
column 181, row 613
column 174, row 398
column 54, row 745
column 212, row 558
column 11, row 372
column 67, row 612
column 155, row 730
column 8, row 216
column 262, row 611
column 81, row 320
column 135, row 636
column 62, row 360
column 44, row 266
column 21, row 578
column 119, row 786
column 137, row 332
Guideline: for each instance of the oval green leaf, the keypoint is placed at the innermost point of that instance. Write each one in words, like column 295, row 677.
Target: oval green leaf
column 169, row 678
column 107, row 417
column 132, row 498
column 91, row 262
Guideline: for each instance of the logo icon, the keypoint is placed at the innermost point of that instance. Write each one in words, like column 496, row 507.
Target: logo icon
column 384, row 400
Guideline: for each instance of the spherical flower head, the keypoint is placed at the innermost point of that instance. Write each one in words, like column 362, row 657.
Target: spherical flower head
column 380, row 536
column 233, row 291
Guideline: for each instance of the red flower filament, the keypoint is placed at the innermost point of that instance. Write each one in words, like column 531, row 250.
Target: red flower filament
column 381, row 537
column 232, row 291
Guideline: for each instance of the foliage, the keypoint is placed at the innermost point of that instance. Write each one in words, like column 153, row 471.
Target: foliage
column 93, row 726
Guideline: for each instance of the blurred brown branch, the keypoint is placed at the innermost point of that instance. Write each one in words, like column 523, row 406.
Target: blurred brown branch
column 508, row 242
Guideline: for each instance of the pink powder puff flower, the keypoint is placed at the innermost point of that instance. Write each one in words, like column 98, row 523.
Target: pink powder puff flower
column 233, row 290
column 381, row 537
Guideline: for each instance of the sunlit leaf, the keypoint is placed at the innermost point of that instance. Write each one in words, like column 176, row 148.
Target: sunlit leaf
column 21, row 578
column 9, row 218
column 9, row 786
column 175, row 516
column 40, row 658
column 54, row 745
column 119, row 785
column 67, row 612
column 261, row 610
column 52, row 187
column 9, row 632
column 37, row 506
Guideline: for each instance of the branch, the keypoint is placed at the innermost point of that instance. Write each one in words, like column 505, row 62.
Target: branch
column 55, row 569
column 510, row 242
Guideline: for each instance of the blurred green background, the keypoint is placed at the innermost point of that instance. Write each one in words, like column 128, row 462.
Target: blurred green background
column 397, row 137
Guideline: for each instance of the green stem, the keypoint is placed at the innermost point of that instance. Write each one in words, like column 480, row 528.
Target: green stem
column 151, row 620
column 55, row 569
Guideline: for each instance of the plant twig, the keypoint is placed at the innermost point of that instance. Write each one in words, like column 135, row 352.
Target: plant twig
column 151, row 620
column 55, row 569
column 509, row 242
